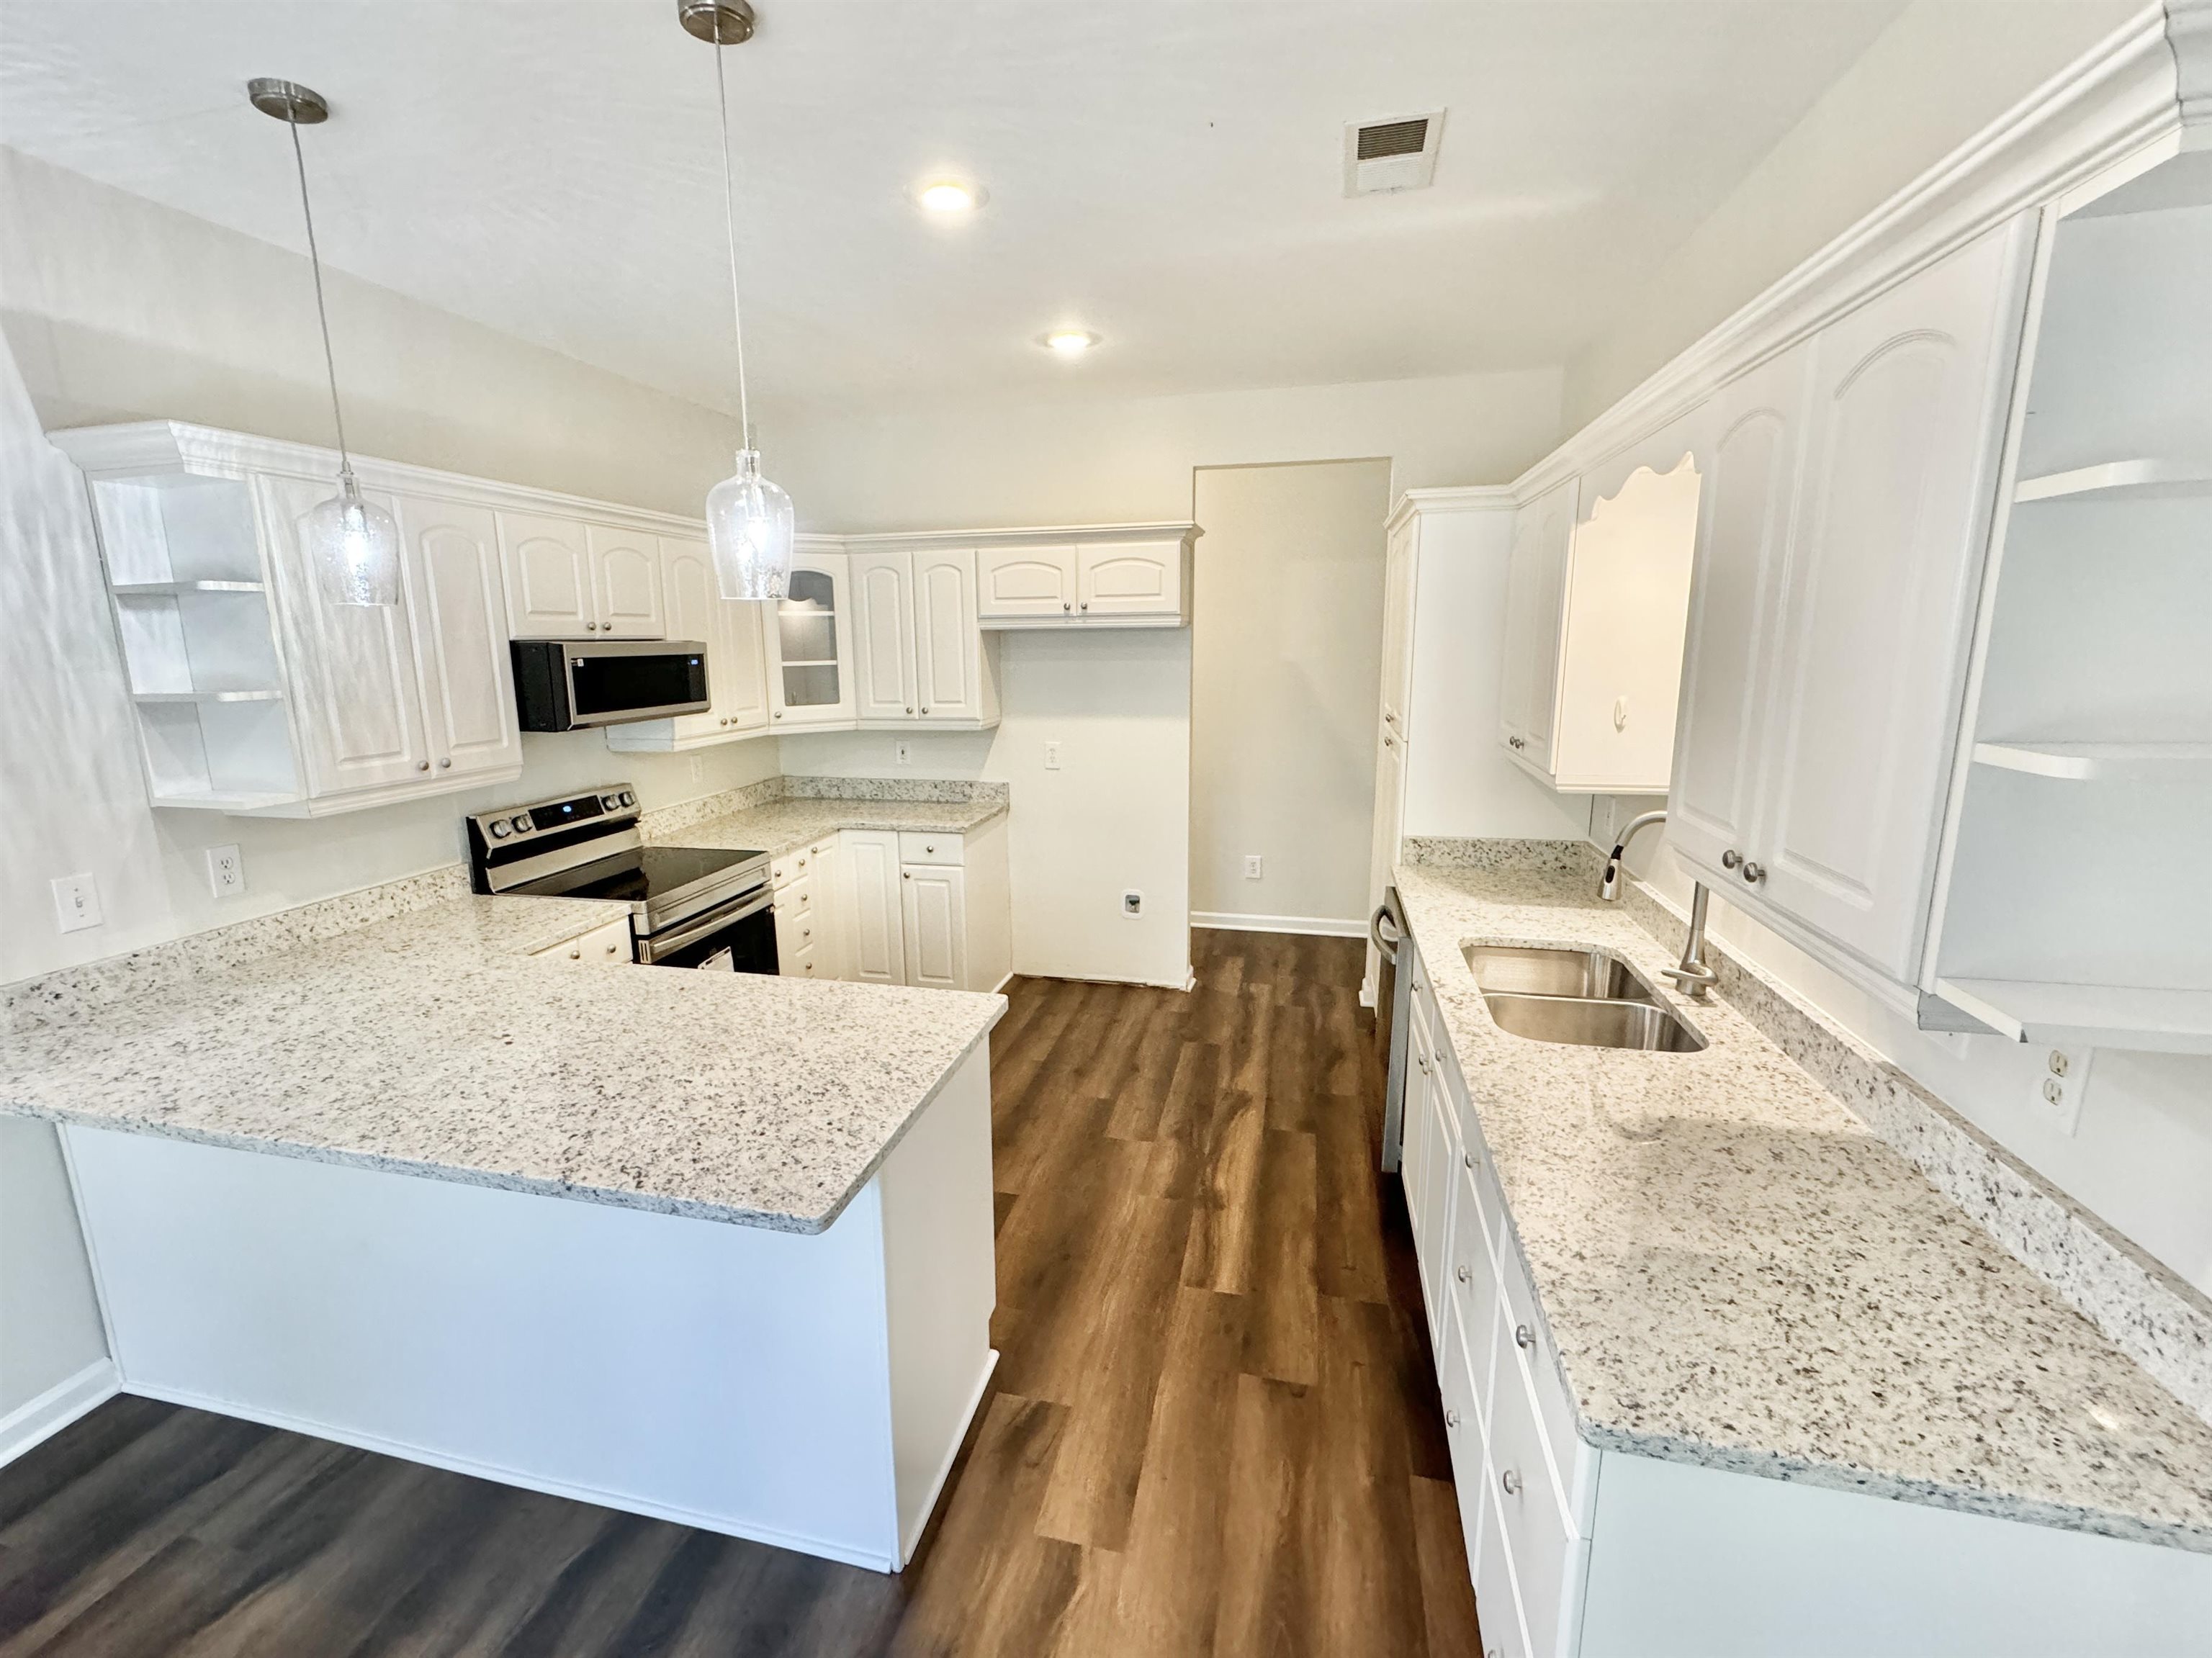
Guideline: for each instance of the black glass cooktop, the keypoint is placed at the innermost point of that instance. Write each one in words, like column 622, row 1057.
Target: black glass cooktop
column 644, row 873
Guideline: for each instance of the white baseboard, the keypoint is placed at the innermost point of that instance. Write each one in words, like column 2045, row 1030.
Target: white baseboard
column 1319, row 926
column 951, row 1455
column 41, row 1418
column 528, row 1482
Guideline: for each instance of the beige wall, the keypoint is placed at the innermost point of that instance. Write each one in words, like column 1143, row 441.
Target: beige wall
column 1943, row 71
column 1286, row 668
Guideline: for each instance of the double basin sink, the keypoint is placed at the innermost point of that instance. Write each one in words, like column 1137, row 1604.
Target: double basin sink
column 1587, row 998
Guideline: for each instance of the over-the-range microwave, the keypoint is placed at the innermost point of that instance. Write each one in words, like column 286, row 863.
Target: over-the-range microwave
column 572, row 685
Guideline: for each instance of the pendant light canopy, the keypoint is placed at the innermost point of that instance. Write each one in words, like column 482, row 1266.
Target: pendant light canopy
column 749, row 524
column 353, row 544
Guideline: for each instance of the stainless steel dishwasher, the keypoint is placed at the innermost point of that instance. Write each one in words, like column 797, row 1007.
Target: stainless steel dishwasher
column 1387, row 930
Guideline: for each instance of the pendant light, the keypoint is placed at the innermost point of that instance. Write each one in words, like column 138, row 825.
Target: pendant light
column 749, row 519
column 353, row 544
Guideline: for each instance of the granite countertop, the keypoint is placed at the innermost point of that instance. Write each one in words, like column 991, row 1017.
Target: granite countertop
column 1736, row 1272
column 430, row 1042
column 784, row 826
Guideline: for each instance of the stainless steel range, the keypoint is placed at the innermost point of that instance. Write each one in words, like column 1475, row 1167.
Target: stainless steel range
column 689, row 906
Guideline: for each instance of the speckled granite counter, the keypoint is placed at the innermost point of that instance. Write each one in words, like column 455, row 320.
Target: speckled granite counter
column 430, row 1042
column 783, row 826
column 1736, row 1272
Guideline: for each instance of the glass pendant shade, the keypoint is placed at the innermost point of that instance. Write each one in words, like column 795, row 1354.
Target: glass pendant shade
column 355, row 547
column 749, row 530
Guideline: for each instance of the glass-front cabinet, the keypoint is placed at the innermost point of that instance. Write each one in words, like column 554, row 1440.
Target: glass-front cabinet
column 810, row 641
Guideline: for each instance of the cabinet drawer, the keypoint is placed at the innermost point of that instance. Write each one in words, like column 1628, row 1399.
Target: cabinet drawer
column 1496, row 1605
column 794, row 930
column 1529, row 1344
column 1463, row 1436
column 790, row 866
column 607, row 945
column 1475, row 1295
column 795, row 964
column 794, row 896
column 918, row 847
column 1545, row 1554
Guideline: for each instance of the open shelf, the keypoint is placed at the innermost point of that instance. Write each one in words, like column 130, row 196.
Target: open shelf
column 171, row 589
column 241, row 695
column 2101, row 1015
column 2100, row 761
column 239, row 800
column 2119, row 480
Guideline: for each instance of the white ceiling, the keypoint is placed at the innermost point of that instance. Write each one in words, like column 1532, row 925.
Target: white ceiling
column 1169, row 174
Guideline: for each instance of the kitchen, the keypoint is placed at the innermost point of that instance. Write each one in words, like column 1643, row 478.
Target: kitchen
column 1282, row 1148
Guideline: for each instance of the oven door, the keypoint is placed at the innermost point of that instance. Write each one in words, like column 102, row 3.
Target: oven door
column 738, row 937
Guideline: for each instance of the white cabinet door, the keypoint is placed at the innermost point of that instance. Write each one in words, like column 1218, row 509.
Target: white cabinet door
column 934, row 916
column 626, row 583
column 741, row 641
column 882, row 636
column 1535, row 579
column 1017, row 583
column 948, row 642
column 1756, row 425
column 465, row 672
column 549, row 577
column 1398, row 567
column 871, row 921
column 810, row 683
column 354, row 693
column 829, row 908
column 1129, row 578
column 1904, row 427
column 692, row 599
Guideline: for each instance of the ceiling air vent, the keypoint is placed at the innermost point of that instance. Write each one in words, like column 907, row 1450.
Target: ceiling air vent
column 1397, row 154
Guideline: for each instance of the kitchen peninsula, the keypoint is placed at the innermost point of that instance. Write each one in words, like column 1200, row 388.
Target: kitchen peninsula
column 715, row 1247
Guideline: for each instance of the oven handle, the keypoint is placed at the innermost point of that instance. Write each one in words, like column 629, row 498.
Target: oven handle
column 667, row 944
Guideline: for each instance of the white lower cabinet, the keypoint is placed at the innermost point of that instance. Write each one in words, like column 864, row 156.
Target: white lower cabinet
column 914, row 908
column 933, row 909
column 875, row 931
column 608, row 946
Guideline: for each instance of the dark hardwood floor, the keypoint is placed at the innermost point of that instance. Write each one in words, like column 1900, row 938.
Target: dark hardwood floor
column 1214, row 1428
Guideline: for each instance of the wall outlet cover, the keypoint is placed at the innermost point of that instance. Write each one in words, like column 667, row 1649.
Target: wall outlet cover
column 1252, row 866
column 2060, row 1083
column 1133, row 903
column 76, row 902
column 1052, row 756
column 226, row 870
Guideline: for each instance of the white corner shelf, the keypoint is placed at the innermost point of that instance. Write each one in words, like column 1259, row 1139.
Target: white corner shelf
column 171, row 589
column 235, row 800
column 152, row 698
column 2098, row 1016
column 2100, row 761
column 2119, row 480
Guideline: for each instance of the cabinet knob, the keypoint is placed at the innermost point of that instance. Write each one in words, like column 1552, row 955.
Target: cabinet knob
column 422, row 765
column 1730, row 858
column 575, row 955
column 1388, row 744
column 927, row 847
column 906, row 875
column 778, row 713
column 1523, row 1337
column 1510, row 1481
column 591, row 627
column 925, row 710
column 1451, row 1419
column 1462, row 1274
column 445, row 761
column 806, row 932
column 910, row 707
column 613, row 948
column 1752, row 872
column 1086, row 604
column 1467, row 1157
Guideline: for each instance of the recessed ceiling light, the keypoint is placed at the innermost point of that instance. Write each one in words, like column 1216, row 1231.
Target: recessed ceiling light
column 1071, row 341
column 948, row 195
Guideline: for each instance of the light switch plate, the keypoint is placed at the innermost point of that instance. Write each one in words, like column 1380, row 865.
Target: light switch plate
column 226, row 870
column 1052, row 756
column 903, row 752
column 76, row 902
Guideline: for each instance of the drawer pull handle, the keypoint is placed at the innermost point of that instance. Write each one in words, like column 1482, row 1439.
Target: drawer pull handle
column 1523, row 1337
column 1511, row 1479
column 1451, row 1419
column 1464, row 1275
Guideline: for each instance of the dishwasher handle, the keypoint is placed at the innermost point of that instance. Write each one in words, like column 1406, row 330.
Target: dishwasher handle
column 1383, row 929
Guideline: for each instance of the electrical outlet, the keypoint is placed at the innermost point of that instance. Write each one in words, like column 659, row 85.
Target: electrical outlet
column 903, row 752
column 226, row 872
column 76, row 902
column 1052, row 756
column 2059, row 1087
column 1251, row 866
column 698, row 767
column 1133, row 903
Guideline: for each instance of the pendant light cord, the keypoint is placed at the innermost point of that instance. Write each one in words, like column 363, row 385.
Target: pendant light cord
column 322, row 312
column 730, row 223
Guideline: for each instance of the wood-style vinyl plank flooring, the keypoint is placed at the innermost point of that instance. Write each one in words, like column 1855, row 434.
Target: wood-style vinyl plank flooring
column 1214, row 1429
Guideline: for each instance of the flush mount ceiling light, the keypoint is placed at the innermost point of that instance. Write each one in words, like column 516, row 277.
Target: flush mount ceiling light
column 1070, row 341
column 748, row 520
column 949, row 197
column 353, row 544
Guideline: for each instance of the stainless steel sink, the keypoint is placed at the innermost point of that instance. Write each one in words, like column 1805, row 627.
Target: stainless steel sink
column 1592, row 1022
column 1528, row 971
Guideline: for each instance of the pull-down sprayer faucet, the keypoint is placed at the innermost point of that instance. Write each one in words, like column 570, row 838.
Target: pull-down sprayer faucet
column 1690, row 973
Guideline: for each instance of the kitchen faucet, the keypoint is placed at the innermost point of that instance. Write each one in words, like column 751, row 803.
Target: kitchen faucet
column 1691, row 973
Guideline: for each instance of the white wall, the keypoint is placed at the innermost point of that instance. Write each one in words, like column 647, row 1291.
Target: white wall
column 1937, row 75
column 1285, row 662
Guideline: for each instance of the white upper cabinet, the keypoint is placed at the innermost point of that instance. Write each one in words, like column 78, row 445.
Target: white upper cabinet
column 810, row 631
column 1021, row 583
column 625, row 568
column 360, row 709
column 1535, row 584
column 1823, row 697
column 956, row 667
column 883, row 636
column 1137, row 578
column 458, row 615
column 1754, row 425
column 731, row 629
